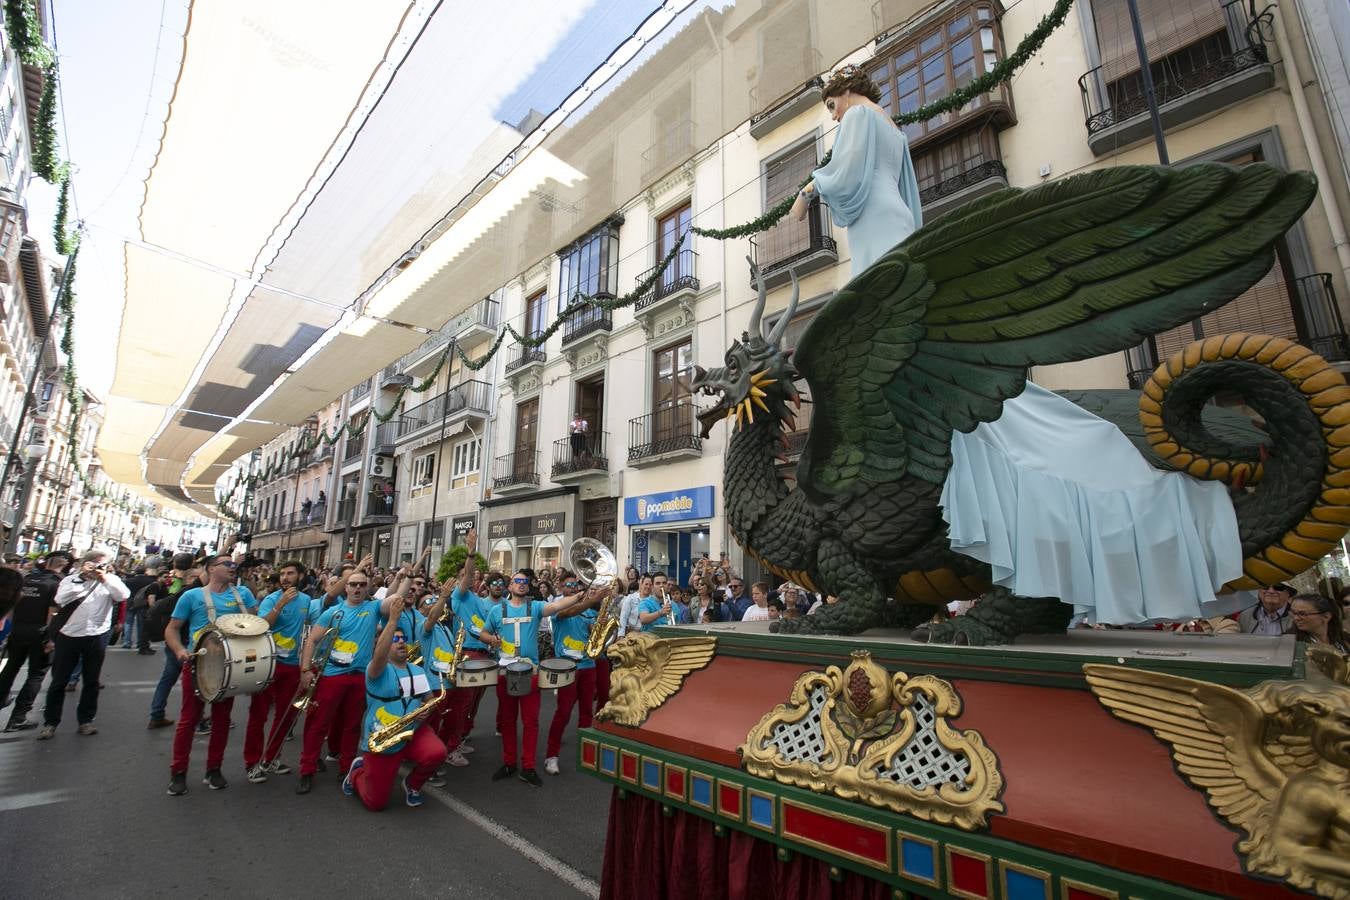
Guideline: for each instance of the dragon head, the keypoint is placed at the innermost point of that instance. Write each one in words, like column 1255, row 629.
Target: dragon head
column 758, row 374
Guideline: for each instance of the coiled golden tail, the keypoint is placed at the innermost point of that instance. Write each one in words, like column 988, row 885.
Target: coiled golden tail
column 305, row 696
column 596, row 566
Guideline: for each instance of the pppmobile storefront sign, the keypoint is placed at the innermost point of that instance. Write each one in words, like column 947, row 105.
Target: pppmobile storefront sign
column 669, row 506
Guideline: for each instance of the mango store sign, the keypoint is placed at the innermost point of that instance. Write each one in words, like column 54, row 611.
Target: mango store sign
column 669, row 506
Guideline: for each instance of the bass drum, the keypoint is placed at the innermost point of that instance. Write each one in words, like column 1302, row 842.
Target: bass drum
column 557, row 672
column 231, row 659
column 476, row 673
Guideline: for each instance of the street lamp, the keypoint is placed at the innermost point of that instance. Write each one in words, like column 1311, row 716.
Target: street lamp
column 34, row 453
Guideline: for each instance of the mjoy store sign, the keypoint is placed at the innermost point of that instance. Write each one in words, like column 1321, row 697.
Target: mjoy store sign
column 669, row 506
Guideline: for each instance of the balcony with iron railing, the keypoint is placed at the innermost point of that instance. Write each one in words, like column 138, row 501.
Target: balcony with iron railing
column 300, row 519
column 467, row 399
column 587, row 321
column 795, row 246
column 381, row 506
column 673, row 145
column 343, row 513
column 579, row 456
column 523, row 356
column 1193, row 81
column 361, row 390
column 386, row 434
column 516, row 471
column 671, row 432
column 1315, row 315
column 352, row 447
column 679, row 280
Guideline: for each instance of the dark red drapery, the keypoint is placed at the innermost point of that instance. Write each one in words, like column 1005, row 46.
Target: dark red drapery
column 651, row 856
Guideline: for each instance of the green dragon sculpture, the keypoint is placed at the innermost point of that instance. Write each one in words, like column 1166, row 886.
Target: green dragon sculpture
column 935, row 335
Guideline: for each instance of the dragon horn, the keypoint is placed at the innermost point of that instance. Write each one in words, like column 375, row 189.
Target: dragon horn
column 776, row 336
column 758, row 312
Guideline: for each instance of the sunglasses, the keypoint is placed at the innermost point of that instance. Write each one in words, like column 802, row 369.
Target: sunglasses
column 570, row 584
column 497, row 583
column 358, row 584
column 227, row 563
column 400, row 639
column 520, row 581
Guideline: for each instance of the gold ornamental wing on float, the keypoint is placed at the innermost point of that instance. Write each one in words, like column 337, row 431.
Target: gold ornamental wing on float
column 1273, row 761
column 886, row 741
column 648, row 671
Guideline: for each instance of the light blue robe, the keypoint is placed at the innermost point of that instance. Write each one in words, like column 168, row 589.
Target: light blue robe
column 1057, row 501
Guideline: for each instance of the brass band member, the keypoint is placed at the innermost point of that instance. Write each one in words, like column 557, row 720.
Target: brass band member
column 516, row 625
column 340, row 696
column 289, row 612
column 393, row 689
column 571, row 628
column 198, row 608
column 438, row 646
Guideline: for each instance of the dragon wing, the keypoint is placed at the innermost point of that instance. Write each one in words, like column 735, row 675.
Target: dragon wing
column 1216, row 735
column 671, row 660
column 935, row 335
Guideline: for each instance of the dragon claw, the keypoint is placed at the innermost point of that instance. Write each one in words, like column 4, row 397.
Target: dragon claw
column 962, row 631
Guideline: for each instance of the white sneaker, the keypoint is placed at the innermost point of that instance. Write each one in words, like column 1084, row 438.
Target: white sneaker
column 257, row 774
column 465, row 747
column 277, row 767
column 456, row 759
column 551, row 765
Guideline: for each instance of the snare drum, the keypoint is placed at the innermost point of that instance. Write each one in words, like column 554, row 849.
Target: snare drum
column 519, row 676
column 235, row 655
column 476, row 673
column 557, row 672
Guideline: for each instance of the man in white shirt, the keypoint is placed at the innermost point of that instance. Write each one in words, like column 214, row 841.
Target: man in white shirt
column 85, row 600
column 759, row 592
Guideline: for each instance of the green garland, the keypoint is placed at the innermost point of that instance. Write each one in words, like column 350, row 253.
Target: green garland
column 25, row 34
column 65, row 241
column 987, row 82
column 45, row 164
column 996, row 76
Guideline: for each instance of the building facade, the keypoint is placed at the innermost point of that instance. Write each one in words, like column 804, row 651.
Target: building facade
column 594, row 433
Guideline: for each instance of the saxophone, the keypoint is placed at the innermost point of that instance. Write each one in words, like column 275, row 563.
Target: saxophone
column 449, row 676
column 387, row 737
column 606, row 623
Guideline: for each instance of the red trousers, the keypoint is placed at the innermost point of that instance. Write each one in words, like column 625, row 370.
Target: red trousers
column 191, row 714
column 275, row 699
column 528, row 709
column 454, row 717
column 581, row 691
column 378, row 771
column 477, row 697
column 338, row 706
column 602, row 667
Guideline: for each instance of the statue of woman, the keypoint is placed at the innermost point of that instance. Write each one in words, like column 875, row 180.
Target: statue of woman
column 1055, row 499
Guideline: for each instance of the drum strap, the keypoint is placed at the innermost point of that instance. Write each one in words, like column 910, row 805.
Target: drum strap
column 211, row 604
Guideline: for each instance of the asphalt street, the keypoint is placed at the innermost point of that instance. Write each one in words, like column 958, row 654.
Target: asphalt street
column 88, row 816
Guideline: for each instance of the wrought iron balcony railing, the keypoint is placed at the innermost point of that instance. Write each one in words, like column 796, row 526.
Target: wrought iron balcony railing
column 680, row 275
column 518, row 468
column 523, row 355
column 580, row 453
column 666, row 430
column 587, row 321
column 470, row 396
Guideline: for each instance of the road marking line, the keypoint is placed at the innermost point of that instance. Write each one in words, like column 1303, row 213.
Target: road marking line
column 540, row 858
column 34, row 798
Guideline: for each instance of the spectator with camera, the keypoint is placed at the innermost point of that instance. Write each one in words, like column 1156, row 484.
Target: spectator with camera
column 79, row 631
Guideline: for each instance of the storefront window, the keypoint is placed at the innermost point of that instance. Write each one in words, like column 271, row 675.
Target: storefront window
column 500, row 558
column 548, row 553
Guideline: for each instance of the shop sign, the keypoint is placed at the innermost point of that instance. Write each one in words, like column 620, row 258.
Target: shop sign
column 669, row 506
column 524, row 526
column 460, row 526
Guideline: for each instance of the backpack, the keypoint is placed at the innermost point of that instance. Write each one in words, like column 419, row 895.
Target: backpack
column 157, row 619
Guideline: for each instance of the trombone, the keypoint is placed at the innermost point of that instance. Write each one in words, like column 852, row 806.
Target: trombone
column 305, row 696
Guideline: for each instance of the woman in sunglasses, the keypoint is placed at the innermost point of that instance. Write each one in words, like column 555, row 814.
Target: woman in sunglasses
column 515, row 624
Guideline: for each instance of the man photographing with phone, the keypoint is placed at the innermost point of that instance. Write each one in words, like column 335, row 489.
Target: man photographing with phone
column 85, row 603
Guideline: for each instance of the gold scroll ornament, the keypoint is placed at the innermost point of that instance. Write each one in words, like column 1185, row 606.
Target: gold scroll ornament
column 862, row 734
column 648, row 671
column 1273, row 761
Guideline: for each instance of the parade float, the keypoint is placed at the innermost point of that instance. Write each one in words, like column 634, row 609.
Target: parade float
column 999, row 755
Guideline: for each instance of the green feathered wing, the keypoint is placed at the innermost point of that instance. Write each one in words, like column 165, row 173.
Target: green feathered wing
column 936, row 334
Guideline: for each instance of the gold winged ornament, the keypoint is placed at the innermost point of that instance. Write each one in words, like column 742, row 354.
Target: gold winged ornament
column 648, row 671
column 1273, row 761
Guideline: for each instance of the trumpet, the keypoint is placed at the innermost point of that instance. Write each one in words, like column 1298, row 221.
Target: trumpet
column 596, row 566
column 305, row 696
column 672, row 617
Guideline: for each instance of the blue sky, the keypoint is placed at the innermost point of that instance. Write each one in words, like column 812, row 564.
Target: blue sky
column 606, row 24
